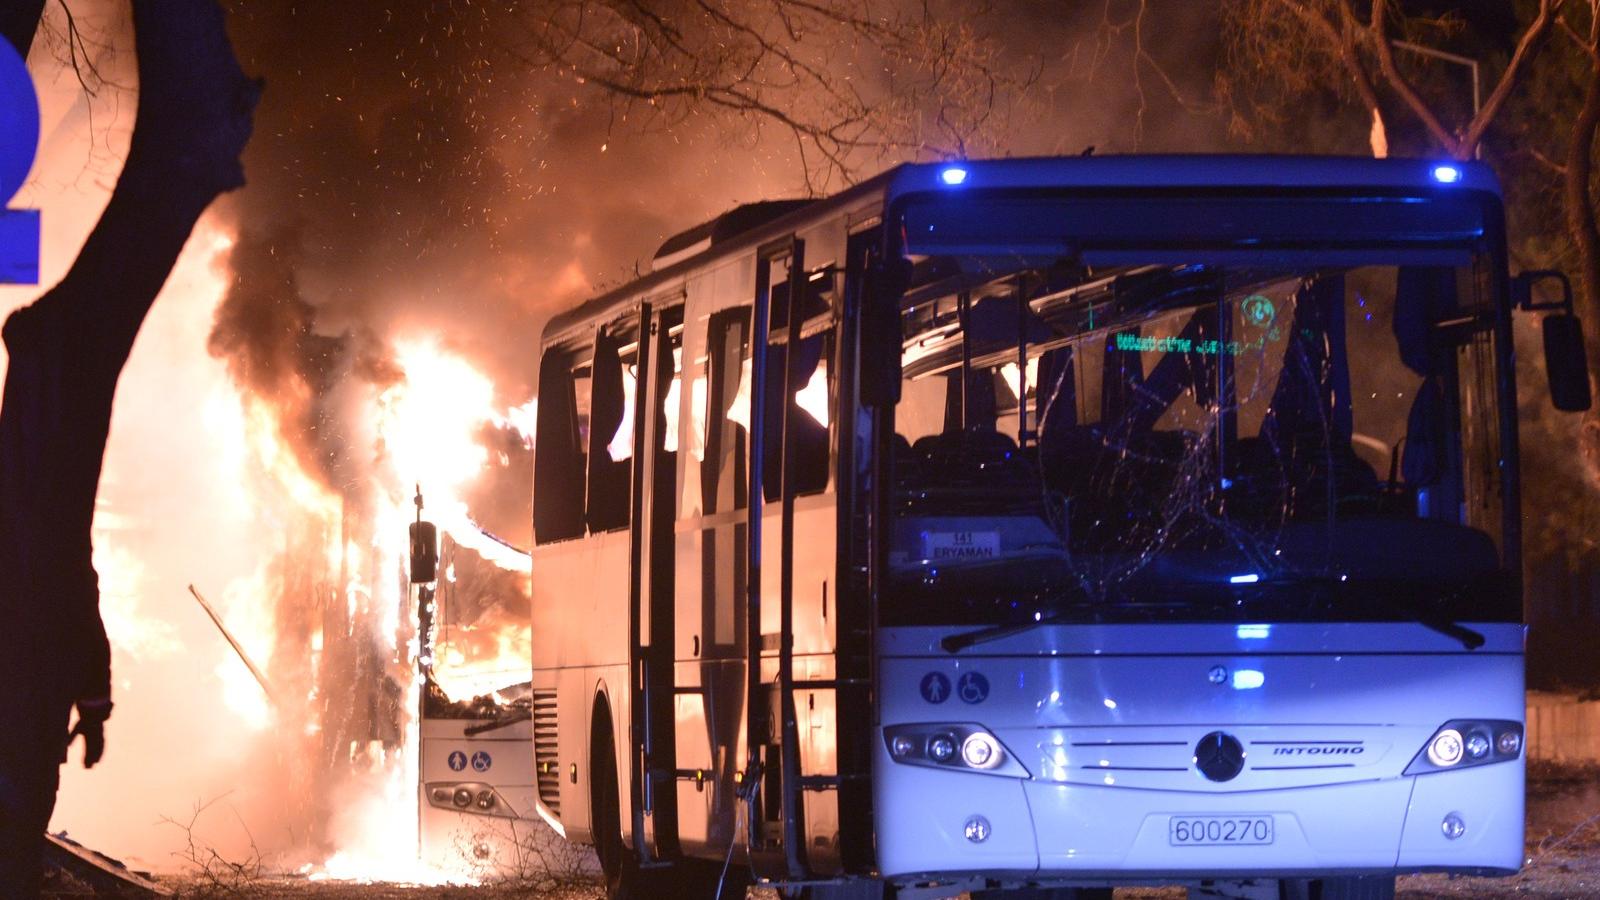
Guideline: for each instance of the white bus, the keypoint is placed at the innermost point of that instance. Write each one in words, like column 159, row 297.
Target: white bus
column 1035, row 527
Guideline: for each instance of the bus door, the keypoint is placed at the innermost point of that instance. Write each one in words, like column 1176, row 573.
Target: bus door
column 791, row 568
column 709, row 690
column 654, row 768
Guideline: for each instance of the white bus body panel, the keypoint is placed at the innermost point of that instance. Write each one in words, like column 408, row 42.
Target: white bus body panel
column 1105, row 719
column 474, row 841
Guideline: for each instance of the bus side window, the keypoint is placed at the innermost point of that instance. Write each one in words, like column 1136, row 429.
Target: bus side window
column 723, row 482
column 559, row 449
column 672, row 399
column 611, row 431
column 811, row 400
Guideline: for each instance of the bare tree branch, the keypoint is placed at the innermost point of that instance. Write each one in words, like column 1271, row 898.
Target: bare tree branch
column 1300, row 45
column 1539, row 157
column 1397, row 81
column 1535, row 33
column 74, row 44
column 847, row 85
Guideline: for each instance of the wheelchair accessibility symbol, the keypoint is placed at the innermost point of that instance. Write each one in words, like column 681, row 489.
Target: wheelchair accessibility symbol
column 457, row 761
column 973, row 688
column 481, row 762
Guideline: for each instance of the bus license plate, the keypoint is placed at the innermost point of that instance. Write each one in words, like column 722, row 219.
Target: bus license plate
column 1212, row 831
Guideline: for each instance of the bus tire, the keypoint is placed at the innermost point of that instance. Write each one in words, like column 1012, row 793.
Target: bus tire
column 618, row 866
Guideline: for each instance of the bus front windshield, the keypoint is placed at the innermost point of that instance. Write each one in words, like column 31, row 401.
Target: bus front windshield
column 1197, row 441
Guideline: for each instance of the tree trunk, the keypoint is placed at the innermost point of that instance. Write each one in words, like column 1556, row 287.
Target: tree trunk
column 1580, row 220
column 67, row 350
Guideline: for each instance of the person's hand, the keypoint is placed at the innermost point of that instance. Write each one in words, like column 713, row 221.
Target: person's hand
column 92, row 716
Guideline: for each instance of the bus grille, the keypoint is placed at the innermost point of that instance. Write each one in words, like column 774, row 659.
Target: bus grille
column 546, row 764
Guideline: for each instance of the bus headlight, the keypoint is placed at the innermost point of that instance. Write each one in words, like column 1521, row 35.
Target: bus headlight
column 472, row 797
column 1445, row 748
column 963, row 747
column 1508, row 742
column 980, row 751
column 1461, row 743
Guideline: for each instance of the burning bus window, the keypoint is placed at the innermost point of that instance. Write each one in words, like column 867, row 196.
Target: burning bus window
column 672, row 403
column 620, row 448
column 611, row 432
column 812, row 398
column 698, row 398
column 478, row 639
column 808, row 398
column 560, row 451
column 724, row 484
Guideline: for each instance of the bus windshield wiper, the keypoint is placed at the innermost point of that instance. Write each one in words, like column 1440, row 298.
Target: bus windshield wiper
column 1469, row 639
column 955, row 643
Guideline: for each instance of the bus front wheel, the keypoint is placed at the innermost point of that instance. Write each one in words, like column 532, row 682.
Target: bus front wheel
column 617, row 862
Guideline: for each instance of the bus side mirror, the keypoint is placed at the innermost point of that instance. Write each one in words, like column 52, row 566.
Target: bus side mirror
column 1566, row 364
column 424, row 553
column 880, row 333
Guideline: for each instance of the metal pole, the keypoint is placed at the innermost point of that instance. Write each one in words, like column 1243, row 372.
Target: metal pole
column 243, row 656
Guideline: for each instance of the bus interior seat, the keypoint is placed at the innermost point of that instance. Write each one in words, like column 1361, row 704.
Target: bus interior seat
column 970, row 467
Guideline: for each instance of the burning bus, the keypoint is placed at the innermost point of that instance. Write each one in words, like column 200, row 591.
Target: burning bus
column 476, row 783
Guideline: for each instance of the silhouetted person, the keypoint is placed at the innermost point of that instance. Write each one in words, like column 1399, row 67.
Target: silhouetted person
column 34, row 736
column 53, row 649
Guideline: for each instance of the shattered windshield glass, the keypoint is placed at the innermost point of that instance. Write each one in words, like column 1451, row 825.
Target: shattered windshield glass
column 1197, row 441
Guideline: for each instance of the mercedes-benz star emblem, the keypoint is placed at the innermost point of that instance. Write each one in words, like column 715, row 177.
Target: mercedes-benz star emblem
column 1217, row 675
column 1219, row 756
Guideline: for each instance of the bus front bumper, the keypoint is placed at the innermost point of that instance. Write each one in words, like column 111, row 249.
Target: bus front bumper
column 930, row 823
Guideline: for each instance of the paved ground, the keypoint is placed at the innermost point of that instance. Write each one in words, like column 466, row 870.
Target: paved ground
column 1563, row 861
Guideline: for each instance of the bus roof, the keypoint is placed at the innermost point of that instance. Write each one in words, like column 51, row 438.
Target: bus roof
column 750, row 225
column 1194, row 171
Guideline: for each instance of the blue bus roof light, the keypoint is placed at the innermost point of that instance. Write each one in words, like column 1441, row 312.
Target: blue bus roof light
column 953, row 175
column 1446, row 174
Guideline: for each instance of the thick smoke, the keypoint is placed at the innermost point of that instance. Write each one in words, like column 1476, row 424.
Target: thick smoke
column 407, row 177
